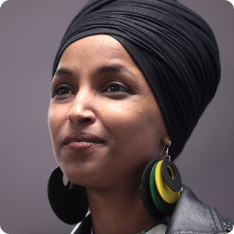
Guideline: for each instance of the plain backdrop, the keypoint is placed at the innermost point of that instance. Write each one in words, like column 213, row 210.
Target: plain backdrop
column 30, row 32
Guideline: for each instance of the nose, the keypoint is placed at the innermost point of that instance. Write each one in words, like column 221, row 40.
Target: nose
column 82, row 110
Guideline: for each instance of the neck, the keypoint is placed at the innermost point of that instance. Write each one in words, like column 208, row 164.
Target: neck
column 118, row 210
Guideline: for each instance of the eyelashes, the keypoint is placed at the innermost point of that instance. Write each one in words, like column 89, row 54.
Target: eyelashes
column 113, row 88
column 117, row 88
column 62, row 90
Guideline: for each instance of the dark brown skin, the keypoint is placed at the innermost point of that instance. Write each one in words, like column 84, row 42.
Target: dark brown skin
column 98, row 89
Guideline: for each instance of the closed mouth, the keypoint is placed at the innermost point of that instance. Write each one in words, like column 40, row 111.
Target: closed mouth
column 81, row 137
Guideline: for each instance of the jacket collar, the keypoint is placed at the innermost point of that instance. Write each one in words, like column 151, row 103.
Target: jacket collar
column 193, row 216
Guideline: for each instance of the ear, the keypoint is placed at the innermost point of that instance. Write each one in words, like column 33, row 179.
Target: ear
column 166, row 141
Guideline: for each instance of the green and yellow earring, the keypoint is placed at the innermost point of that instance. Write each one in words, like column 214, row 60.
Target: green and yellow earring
column 161, row 186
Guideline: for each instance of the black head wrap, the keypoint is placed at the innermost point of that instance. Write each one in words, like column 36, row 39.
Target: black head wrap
column 174, row 48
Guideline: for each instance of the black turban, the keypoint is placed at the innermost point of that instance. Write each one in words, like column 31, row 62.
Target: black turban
column 174, row 48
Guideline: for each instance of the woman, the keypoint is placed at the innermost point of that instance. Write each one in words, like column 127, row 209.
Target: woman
column 130, row 81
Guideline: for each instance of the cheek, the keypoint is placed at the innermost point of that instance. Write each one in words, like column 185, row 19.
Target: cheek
column 52, row 121
column 135, row 126
column 56, row 118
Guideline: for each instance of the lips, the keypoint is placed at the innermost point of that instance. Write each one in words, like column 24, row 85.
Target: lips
column 81, row 141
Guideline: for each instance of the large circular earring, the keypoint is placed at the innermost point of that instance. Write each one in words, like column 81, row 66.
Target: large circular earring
column 69, row 202
column 160, row 187
column 146, row 196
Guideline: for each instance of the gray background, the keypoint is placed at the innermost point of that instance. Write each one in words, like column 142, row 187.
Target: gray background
column 30, row 31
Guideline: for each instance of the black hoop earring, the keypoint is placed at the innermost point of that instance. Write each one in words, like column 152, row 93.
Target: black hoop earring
column 70, row 202
column 160, row 188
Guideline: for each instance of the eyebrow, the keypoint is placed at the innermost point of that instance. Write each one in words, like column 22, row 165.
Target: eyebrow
column 63, row 71
column 113, row 68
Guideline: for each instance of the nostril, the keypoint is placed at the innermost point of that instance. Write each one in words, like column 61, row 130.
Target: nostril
column 83, row 120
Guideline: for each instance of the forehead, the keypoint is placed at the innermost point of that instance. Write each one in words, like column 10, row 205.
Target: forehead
column 100, row 56
column 95, row 50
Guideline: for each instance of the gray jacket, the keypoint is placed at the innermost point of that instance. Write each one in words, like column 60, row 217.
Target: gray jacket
column 190, row 216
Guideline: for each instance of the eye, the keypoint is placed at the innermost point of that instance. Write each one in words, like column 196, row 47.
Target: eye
column 116, row 88
column 62, row 90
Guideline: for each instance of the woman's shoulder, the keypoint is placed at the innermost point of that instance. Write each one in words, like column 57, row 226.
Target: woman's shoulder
column 193, row 216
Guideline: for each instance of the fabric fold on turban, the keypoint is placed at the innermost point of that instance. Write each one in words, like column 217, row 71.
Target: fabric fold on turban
column 174, row 48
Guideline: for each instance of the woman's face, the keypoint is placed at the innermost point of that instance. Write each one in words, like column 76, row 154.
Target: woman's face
column 104, row 121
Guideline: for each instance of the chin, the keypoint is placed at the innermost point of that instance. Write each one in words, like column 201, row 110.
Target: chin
column 79, row 175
